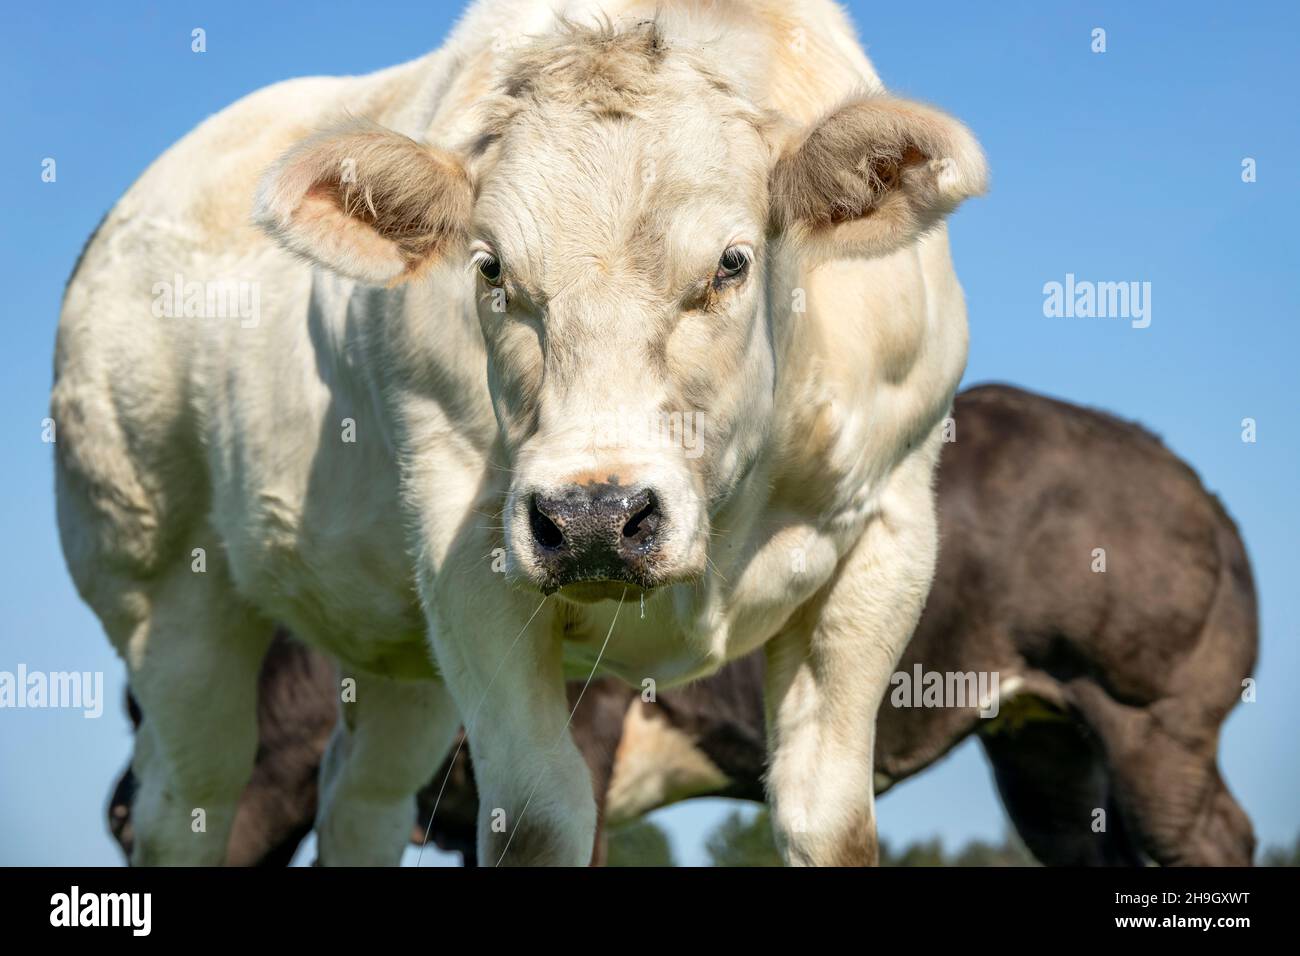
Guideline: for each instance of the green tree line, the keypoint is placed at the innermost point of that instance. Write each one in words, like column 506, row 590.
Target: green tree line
column 745, row 839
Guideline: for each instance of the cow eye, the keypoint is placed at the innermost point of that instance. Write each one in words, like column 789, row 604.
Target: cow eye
column 489, row 267
column 733, row 264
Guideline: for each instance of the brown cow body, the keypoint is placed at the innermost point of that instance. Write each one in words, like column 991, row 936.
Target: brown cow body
column 1113, row 683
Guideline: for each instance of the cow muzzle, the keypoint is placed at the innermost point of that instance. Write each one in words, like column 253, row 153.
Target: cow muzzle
column 595, row 533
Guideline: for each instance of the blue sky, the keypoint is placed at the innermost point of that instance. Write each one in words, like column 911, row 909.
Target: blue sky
column 1124, row 165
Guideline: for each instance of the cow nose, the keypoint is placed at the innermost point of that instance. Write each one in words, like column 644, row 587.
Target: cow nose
column 597, row 532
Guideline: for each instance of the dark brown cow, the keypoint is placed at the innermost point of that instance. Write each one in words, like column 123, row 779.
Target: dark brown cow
column 1113, row 683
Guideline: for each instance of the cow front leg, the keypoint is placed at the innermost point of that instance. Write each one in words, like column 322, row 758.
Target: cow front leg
column 536, row 804
column 827, row 673
column 390, row 739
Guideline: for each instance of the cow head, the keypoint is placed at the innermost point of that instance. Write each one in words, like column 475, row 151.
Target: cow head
column 621, row 209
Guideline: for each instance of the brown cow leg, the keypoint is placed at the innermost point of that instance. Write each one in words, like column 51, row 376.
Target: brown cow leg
column 1163, row 764
column 1180, row 808
column 1225, row 837
column 1053, row 780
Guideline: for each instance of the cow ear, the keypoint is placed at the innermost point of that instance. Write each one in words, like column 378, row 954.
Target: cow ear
column 366, row 202
column 872, row 176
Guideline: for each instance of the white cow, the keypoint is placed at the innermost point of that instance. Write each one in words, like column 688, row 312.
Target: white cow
column 619, row 337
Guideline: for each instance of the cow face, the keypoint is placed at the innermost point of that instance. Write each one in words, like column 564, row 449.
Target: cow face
column 620, row 211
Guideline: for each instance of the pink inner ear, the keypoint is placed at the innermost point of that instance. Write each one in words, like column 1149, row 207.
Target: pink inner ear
column 342, row 241
column 323, row 190
column 345, row 200
column 884, row 175
column 912, row 156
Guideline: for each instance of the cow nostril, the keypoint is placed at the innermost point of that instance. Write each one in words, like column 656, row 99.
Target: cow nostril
column 642, row 524
column 545, row 531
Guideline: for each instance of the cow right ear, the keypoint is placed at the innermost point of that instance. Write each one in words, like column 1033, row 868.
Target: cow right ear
column 872, row 176
column 366, row 202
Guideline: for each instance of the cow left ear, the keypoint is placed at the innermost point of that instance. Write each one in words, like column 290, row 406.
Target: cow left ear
column 872, row 176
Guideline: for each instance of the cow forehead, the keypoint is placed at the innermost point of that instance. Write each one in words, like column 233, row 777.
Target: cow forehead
column 652, row 193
